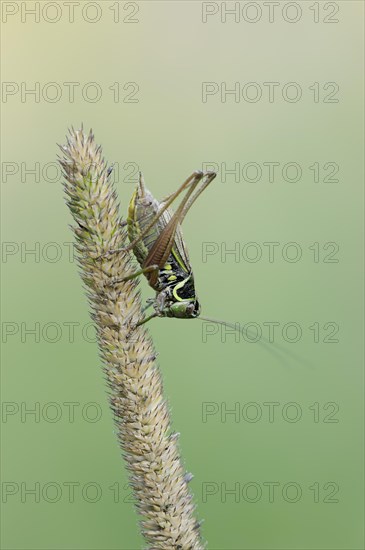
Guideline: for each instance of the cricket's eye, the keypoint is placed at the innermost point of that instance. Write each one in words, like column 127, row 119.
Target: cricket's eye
column 190, row 309
column 196, row 309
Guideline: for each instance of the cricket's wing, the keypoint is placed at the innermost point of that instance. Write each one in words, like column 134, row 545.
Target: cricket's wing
column 169, row 241
column 178, row 250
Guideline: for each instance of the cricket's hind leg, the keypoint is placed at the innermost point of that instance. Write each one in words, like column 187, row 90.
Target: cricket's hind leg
column 190, row 183
column 195, row 177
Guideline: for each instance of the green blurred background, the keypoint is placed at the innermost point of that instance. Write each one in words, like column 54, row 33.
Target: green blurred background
column 168, row 131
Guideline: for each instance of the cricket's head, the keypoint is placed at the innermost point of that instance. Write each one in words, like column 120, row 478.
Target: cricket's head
column 184, row 309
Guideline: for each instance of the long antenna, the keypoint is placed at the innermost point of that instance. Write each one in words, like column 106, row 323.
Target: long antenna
column 264, row 342
column 273, row 348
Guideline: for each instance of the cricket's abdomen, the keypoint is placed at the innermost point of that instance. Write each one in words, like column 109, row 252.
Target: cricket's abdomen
column 143, row 207
column 140, row 214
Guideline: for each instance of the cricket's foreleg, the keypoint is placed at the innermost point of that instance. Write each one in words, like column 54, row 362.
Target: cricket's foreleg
column 149, row 303
column 143, row 271
column 146, row 319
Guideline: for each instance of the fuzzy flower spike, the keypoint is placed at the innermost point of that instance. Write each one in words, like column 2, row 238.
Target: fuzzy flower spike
column 157, row 477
